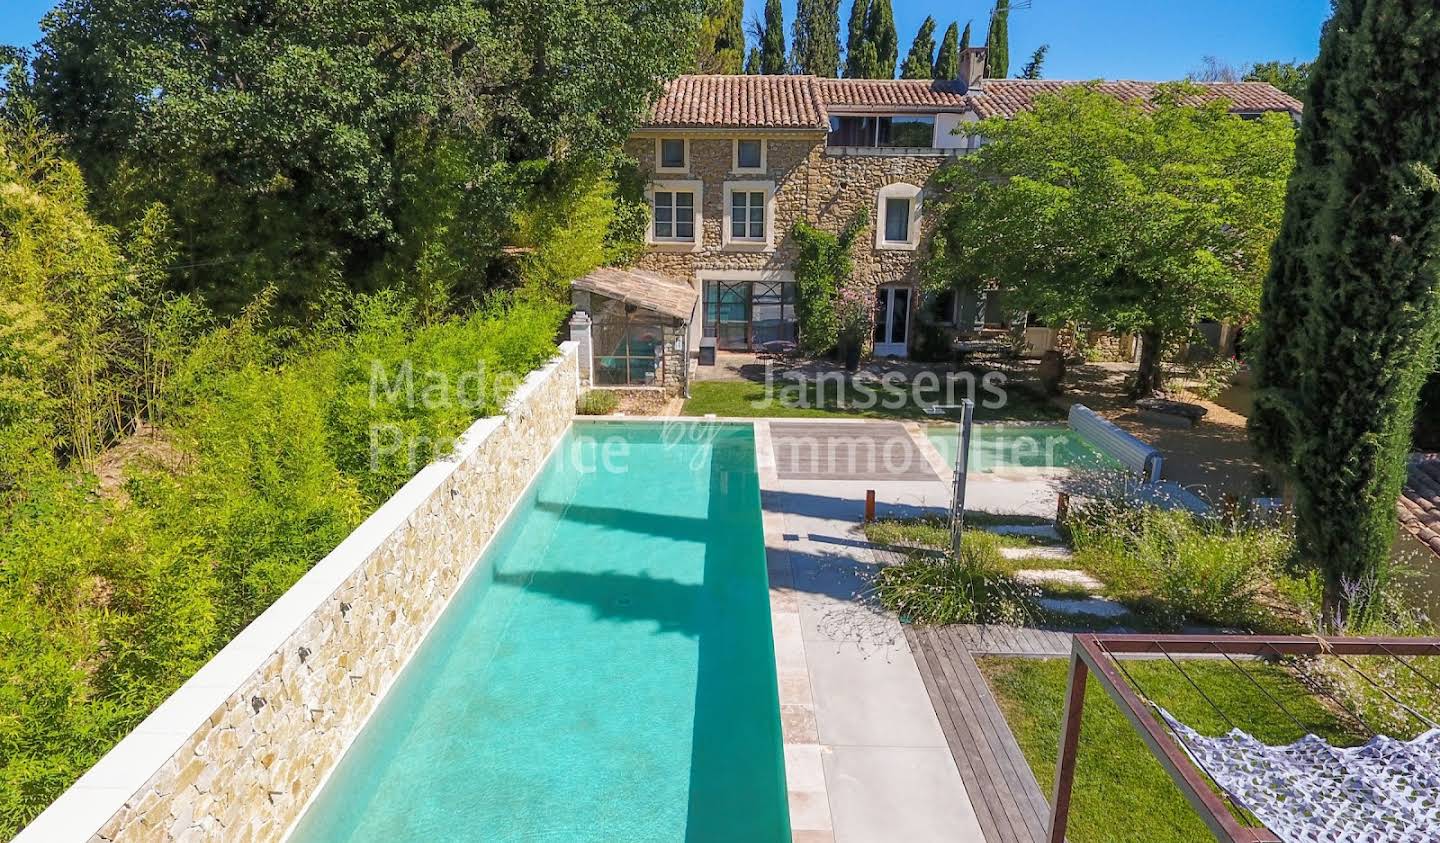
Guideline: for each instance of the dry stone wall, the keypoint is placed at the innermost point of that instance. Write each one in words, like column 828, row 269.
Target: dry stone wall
column 290, row 711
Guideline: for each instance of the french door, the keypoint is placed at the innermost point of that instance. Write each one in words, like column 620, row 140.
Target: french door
column 744, row 315
column 892, row 321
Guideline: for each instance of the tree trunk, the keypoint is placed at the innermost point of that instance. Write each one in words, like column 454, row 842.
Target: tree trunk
column 1334, row 606
column 1148, row 376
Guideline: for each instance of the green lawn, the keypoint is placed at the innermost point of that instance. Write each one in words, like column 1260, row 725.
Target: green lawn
column 1121, row 793
column 749, row 399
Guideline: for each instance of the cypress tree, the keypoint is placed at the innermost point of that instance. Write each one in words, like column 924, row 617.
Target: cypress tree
column 815, row 42
column 965, row 37
column 752, row 62
column 1274, row 354
column 880, row 31
column 1035, row 67
column 997, row 42
column 855, row 38
column 866, row 63
column 947, row 63
column 920, row 62
column 720, row 46
column 1362, row 271
column 772, row 40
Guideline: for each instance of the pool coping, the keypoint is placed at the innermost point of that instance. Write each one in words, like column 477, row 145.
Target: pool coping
column 102, row 792
column 807, row 796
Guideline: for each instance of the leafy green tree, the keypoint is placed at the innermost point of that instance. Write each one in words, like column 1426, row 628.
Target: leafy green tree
column 720, row 42
column 772, row 40
column 1361, row 271
column 947, row 62
column 880, row 32
column 286, row 145
column 855, row 35
column 997, row 42
column 815, row 39
column 1290, row 77
column 1141, row 218
column 1035, row 67
column 920, row 63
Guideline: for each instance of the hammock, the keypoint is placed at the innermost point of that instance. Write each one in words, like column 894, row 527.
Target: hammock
column 1385, row 791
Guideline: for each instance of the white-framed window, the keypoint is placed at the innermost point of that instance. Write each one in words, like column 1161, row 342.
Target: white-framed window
column 748, row 155
column 672, row 155
column 675, row 213
column 749, row 214
column 897, row 217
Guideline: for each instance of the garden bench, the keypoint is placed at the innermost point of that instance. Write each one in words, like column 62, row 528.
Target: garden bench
column 1141, row 458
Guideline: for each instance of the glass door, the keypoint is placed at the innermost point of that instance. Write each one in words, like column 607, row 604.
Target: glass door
column 727, row 314
column 892, row 321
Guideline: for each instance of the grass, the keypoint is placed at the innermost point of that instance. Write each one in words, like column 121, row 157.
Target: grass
column 934, row 587
column 1121, row 792
column 751, row 399
column 1176, row 568
column 934, row 531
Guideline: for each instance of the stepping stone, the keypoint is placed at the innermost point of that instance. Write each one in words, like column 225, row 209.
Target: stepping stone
column 1097, row 606
column 1037, row 552
column 1034, row 531
column 1060, row 576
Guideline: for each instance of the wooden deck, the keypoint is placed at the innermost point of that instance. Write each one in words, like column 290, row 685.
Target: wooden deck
column 990, row 640
column 1003, row 791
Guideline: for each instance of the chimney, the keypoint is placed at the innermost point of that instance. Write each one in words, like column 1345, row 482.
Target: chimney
column 972, row 67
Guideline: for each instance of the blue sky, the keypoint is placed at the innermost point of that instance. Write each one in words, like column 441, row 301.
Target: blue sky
column 1115, row 39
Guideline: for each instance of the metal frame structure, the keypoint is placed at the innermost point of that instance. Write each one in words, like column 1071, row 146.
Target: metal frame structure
column 1095, row 653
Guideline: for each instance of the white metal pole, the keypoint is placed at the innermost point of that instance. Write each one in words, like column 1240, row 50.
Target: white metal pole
column 962, row 471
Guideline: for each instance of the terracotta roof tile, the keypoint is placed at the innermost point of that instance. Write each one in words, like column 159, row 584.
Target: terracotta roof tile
column 804, row 102
column 771, row 102
column 1420, row 500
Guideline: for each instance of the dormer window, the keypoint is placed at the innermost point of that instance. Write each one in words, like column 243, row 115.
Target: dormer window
column 896, row 130
column 672, row 154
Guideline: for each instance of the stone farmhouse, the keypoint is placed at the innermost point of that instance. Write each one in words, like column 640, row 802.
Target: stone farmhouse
column 733, row 162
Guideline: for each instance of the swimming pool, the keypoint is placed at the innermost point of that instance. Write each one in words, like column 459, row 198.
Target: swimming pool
column 607, row 671
column 998, row 447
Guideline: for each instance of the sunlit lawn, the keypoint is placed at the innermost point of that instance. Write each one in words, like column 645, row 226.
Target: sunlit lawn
column 1121, row 793
column 755, row 399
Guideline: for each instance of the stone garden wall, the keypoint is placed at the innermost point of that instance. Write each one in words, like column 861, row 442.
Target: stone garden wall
column 238, row 751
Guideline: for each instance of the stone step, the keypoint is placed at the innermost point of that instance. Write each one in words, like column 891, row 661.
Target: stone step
column 1060, row 576
column 1097, row 606
column 1038, row 552
column 1034, row 531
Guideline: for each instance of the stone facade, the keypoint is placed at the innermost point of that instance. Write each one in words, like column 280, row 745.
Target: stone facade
column 825, row 188
column 252, row 766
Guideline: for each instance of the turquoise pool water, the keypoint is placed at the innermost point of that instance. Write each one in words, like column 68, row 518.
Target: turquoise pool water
column 606, row 673
column 999, row 447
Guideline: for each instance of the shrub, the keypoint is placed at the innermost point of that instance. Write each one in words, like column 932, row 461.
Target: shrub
column 597, row 402
column 1178, row 567
column 938, row 589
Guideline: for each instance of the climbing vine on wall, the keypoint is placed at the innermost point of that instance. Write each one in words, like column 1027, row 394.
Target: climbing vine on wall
column 823, row 268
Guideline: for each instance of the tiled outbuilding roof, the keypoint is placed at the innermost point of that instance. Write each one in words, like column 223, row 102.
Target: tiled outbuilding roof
column 1420, row 501
column 805, row 102
column 1007, row 97
column 649, row 290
